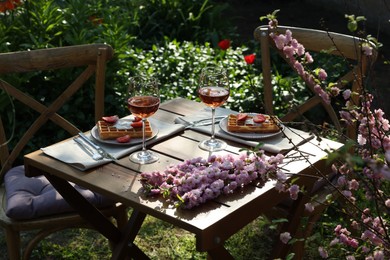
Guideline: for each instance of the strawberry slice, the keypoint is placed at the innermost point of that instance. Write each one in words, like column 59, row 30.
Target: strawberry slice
column 123, row 139
column 137, row 119
column 242, row 116
column 136, row 124
column 110, row 119
column 259, row 118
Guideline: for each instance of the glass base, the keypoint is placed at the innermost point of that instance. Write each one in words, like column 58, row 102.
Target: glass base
column 212, row 145
column 143, row 157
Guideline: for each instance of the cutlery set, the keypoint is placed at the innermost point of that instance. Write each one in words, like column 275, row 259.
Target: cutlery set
column 204, row 122
column 95, row 151
column 98, row 153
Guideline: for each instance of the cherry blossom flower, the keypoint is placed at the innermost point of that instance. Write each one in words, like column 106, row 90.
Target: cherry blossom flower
column 309, row 207
column 367, row 49
column 322, row 75
column 346, row 94
column 323, row 253
column 285, row 237
column 196, row 181
column 294, row 190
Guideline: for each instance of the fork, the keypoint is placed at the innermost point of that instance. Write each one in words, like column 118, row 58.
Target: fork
column 87, row 149
column 100, row 150
column 204, row 122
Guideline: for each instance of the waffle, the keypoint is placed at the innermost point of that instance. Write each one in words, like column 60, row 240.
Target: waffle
column 109, row 131
column 247, row 126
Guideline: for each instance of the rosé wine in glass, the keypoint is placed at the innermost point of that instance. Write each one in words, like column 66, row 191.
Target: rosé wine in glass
column 213, row 90
column 143, row 101
column 143, row 106
column 213, row 96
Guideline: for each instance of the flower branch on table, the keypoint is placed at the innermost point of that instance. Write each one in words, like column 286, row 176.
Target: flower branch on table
column 196, row 181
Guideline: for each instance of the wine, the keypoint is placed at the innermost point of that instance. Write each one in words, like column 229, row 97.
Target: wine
column 213, row 96
column 143, row 106
column 213, row 90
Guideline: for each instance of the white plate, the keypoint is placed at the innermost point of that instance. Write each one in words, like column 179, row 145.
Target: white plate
column 95, row 135
column 250, row 136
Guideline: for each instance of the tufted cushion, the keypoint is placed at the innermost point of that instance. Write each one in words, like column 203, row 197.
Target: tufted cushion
column 29, row 198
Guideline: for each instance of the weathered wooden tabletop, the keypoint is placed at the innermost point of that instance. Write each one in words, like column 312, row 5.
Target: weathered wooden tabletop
column 213, row 222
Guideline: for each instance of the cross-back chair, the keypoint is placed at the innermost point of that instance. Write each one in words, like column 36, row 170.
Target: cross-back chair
column 41, row 208
column 314, row 41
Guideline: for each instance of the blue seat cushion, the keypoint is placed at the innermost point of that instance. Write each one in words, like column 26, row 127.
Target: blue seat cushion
column 29, row 198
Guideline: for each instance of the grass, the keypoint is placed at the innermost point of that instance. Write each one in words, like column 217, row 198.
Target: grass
column 158, row 239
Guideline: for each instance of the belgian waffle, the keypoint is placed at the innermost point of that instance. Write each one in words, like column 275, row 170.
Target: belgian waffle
column 109, row 131
column 248, row 126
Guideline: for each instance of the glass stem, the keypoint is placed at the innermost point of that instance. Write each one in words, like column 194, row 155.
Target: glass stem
column 212, row 123
column 143, row 134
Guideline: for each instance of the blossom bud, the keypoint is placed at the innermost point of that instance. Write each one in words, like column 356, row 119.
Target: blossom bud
column 285, row 237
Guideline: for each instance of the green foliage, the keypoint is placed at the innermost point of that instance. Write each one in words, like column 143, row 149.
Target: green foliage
column 177, row 66
column 133, row 28
column 169, row 39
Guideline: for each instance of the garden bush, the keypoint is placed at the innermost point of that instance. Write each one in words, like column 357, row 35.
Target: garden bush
column 170, row 40
column 132, row 28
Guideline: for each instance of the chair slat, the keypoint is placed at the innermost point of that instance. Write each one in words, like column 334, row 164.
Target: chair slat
column 92, row 59
column 52, row 59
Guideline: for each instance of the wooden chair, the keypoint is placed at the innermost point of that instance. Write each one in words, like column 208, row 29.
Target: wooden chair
column 314, row 41
column 91, row 59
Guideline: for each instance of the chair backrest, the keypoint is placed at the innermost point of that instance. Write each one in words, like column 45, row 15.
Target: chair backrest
column 91, row 56
column 313, row 40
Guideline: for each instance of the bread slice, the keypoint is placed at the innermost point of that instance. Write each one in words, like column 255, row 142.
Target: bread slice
column 109, row 131
column 248, row 126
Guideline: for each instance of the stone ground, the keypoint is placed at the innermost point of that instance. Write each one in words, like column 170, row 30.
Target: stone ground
column 246, row 14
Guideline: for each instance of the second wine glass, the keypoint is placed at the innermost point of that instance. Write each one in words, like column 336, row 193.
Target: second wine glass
column 143, row 101
column 213, row 90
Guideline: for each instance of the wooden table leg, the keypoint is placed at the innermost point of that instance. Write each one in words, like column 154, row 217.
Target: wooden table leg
column 126, row 244
column 122, row 240
column 86, row 210
column 219, row 253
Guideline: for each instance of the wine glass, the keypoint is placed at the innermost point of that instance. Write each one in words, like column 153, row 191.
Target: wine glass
column 143, row 101
column 213, row 90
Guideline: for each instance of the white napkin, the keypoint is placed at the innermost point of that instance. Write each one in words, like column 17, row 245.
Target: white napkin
column 71, row 153
column 275, row 144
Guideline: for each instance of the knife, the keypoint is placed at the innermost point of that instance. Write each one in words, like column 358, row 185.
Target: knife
column 99, row 149
column 204, row 122
column 86, row 148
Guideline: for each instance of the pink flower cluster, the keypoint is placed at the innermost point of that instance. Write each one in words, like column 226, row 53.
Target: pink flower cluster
column 299, row 59
column 196, row 181
column 373, row 135
column 344, row 237
column 362, row 175
column 373, row 145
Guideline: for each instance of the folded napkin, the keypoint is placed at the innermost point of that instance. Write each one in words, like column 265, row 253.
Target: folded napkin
column 71, row 153
column 274, row 144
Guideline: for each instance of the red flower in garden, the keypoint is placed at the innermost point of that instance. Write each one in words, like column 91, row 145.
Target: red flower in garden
column 250, row 59
column 8, row 5
column 224, row 44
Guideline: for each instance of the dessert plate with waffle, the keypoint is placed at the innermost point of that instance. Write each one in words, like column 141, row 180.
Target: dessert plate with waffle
column 113, row 131
column 251, row 125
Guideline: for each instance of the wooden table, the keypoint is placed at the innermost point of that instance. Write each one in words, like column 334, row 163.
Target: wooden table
column 212, row 223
